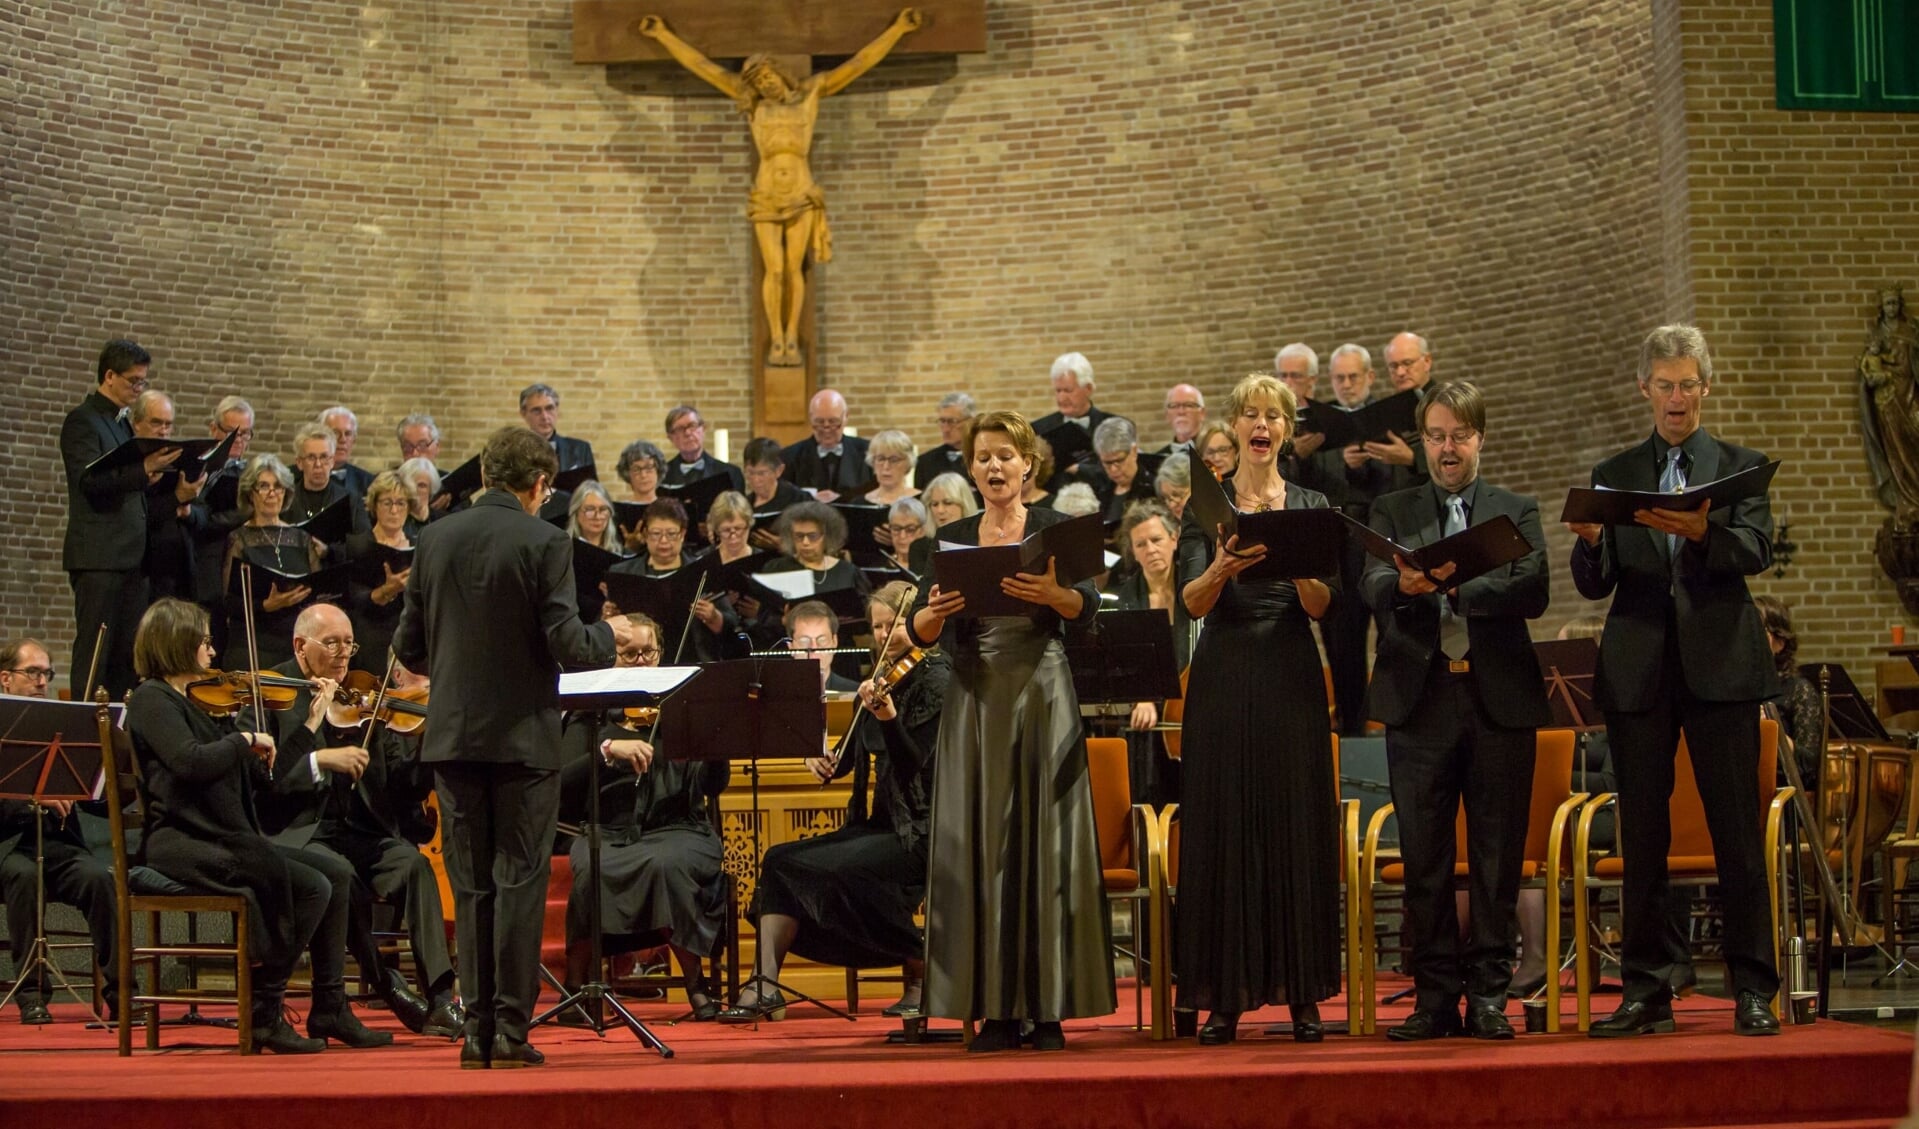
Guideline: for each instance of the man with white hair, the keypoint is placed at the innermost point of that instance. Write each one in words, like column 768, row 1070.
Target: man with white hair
column 314, row 488
column 1185, row 415
column 1297, row 366
column 956, row 410
column 219, row 513
column 169, row 560
column 1409, row 363
column 1072, row 377
column 345, row 426
column 828, row 462
column 419, row 438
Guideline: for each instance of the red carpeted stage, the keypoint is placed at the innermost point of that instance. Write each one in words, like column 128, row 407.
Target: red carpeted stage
column 810, row 1071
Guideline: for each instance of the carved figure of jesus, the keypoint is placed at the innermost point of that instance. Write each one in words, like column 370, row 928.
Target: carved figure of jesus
column 786, row 207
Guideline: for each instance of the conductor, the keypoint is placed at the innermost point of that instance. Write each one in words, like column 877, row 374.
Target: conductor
column 490, row 617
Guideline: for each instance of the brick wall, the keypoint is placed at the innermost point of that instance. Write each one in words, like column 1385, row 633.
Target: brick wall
column 1795, row 220
column 426, row 206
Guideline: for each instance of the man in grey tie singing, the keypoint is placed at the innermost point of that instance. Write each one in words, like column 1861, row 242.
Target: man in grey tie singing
column 1458, row 688
column 1684, row 652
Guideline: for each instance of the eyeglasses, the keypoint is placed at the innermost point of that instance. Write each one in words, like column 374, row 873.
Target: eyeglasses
column 336, row 646
column 315, row 459
column 1182, row 406
column 595, row 511
column 949, row 421
column 889, row 460
column 1460, row 438
column 647, row 467
column 392, row 503
column 1665, row 388
column 644, row 654
column 268, row 488
column 34, row 673
column 812, row 643
column 1395, row 366
column 685, row 427
column 827, row 424
column 132, row 381
column 665, row 535
column 907, row 529
column 808, row 535
column 412, row 449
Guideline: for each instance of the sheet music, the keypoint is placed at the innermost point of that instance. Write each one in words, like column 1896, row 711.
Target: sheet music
column 625, row 680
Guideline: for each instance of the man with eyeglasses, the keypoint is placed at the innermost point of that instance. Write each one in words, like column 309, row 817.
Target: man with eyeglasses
column 106, row 536
column 1409, row 365
column 172, row 518
column 540, row 409
column 1458, row 687
column 1185, row 415
column 686, row 430
column 828, row 462
column 345, row 426
column 1684, row 653
column 347, row 805
column 955, row 411
column 491, row 617
column 218, row 512
column 813, row 632
column 75, row 875
column 314, row 488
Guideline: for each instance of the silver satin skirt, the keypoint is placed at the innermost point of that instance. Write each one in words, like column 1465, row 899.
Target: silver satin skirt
column 1016, row 917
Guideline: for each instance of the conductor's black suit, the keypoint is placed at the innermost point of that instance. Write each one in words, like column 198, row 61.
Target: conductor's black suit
column 491, row 617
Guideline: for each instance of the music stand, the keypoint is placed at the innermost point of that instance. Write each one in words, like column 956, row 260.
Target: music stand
column 1123, row 656
column 751, row 710
column 1569, row 666
column 592, row 692
column 38, row 762
column 1853, row 716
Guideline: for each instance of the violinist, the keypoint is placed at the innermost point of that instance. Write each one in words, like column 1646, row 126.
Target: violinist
column 1149, row 538
column 660, row 855
column 849, row 897
column 266, row 539
column 375, row 608
column 200, row 777
column 340, row 807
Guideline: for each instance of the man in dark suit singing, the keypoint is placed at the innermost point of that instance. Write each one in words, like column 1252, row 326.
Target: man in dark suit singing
column 1684, row 651
column 540, row 408
column 490, row 617
column 829, row 462
column 107, row 520
column 1457, row 685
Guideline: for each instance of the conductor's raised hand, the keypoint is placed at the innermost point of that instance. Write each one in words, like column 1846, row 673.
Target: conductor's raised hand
column 1690, row 524
column 626, row 637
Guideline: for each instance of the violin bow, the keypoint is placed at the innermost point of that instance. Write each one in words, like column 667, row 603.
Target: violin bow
column 686, row 629
column 253, row 656
column 859, row 703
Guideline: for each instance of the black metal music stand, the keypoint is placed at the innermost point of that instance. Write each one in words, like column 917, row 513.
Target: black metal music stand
column 38, row 763
column 1569, row 666
column 751, row 710
column 592, row 696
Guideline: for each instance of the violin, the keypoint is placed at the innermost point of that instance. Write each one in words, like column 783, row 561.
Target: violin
column 883, row 682
column 226, row 693
column 641, row 715
column 362, row 697
column 902, row 666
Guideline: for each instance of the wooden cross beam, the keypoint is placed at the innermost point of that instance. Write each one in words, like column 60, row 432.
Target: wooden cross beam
column 607, row 31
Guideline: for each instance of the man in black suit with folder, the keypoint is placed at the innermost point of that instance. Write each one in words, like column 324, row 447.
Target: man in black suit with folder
column 829, row 462
column 491, row 618
column 1459, row 690
column 540, row 408
column 106, row 535
column 1684, row 651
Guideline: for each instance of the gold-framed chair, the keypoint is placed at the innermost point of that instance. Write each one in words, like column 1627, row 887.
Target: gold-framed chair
column 1689, row 858
column 1550, row 812
column 130, row 903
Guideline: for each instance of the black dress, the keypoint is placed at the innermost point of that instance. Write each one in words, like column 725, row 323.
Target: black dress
column 1153, row 773
column 373, row 623
column 854, row 891
column 284, row 549
column 660, row 873
column 1016, row 915
column 1258, row 918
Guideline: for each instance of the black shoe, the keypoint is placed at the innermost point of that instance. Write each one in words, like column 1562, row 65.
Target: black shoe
column 768, row 1004
column 511, row 1054
column 1306, row 1025
column 1049, row 1037
column 474, row 1052
column 408, row 1006
column 1220, row 1028
column 1487, row 1021
column 337, row 1022
column 1424, row 1024
column 446, row 1021
column 1635, row 1017
column 1753, row 1016
column 33, row 1013
column 995, row 1035
column 278, row 1036
column 901, row 1010
column 705, row 1008
column 1520, row 990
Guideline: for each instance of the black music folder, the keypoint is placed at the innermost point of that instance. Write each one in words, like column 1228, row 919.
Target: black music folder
column 746, row 709
column 369, row 569
column 667, row 599
column 569, row 479
column 1396, row 414
column 462, row 480
column 1600, row 506
column 1475, row 552
column 1077, row 545
column 697, row 496
column 736, row 577
column 1071, row 444
column 1298, row 542
column 590, row 565
column 779, row 589
column 862, row 520
column 329, row 582
column 329, row 524
column 195, row 454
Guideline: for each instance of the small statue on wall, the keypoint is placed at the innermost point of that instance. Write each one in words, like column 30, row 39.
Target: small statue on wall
column 786, row 206
column 1889, row 419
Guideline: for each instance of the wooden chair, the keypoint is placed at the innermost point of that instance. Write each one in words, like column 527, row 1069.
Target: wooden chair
column 1129, row 852
column 1166, row 881
column 1689, row 860
column 151, row 904
column 1550, row 812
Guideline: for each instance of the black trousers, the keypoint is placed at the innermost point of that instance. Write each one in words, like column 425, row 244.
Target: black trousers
column 75, row 877
column 384, row 868
column 309, row 901
column 327, row 947
column 499, row 823
column 1344, row 633
column 1447, row 753
column 1723, row 740
column 117, row 599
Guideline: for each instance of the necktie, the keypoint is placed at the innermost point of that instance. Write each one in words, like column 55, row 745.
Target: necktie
column 1673, row 478
column 1452, row 629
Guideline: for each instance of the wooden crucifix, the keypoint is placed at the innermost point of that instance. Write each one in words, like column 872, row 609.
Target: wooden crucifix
column 778, row 93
